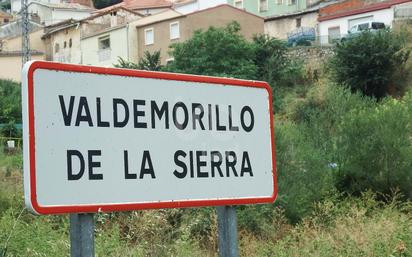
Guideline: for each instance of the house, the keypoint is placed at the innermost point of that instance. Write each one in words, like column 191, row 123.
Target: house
column 13, row 29
column 109, row 35
column 264, row 8
column 50, row 13
column 189, row 6
column 11, row 54
column 157, row 33
column 62, row 42
column 144, row 7
column 5, row 17
column 335, row 20
column 279, row 26
column 16, row 4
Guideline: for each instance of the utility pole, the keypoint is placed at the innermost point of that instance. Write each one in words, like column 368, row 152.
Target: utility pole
column 25, row 33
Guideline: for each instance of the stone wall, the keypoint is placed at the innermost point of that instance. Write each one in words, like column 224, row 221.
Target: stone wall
column 313, row 56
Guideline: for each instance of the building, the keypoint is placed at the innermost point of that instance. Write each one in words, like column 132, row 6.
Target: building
column 144, row 7
column 158, row 33
column 109, row 35
column 279, row 26
column 51, row 13
column 62, row 42
column 5, row 17
column 16, row 4
column 11, row 54
column 335, row 20
column 266, row 8
column 189, row 6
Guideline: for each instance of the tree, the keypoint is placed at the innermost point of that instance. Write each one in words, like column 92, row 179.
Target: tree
column 273, row 63
column 99, row 4
column 370, row 62
column 216, row 52
column 10, row 107
column 147, row 62
column 150, row 61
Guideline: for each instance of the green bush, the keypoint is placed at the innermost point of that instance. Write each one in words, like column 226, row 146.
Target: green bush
column 370, row 63
column 375, row 148
column 216, row 52
column 10, row 102
column 304, row 176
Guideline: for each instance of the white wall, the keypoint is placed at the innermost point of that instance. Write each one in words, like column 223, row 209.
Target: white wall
column 198, row 5
column 118, row 47
column 279, row 28
column 61, row 15
column 385, row 16
column 50, row 16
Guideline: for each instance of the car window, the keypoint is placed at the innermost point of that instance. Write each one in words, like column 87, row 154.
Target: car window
column 363, row 26
column 378, row 25
column 353, row 29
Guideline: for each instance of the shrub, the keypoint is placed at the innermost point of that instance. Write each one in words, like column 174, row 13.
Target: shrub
column 374, row 148
column 216, row 52
column 303, row 173
column 10, row 102
column 370, row 62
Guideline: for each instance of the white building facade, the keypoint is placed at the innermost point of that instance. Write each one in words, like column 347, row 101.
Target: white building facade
column 336, row 26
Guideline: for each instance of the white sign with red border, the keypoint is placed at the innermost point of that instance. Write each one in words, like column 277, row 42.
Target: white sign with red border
column 105, row 139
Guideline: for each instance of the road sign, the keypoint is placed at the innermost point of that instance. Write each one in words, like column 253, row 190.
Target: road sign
column 104, row 139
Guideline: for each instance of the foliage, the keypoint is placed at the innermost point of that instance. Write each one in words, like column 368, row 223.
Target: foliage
column 99, row 4
column 10, row 101
column 344, row 227
column 216, row 52
column 149, row 62
column 304, row 176
column 370, row 63
column 273, row 63
column 374, row 148
column 122, row 63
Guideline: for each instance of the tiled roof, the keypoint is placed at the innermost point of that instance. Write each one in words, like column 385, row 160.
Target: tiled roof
column 74, row 6
column 363, row 9
column 138, row 5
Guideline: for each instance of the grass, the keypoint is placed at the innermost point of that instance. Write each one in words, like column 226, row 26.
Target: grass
column 338, row 227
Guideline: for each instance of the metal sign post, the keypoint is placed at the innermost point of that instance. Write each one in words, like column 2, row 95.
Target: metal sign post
column 227, row 227
column 81, row 235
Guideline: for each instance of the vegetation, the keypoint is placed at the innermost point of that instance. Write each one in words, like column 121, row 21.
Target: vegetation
column 10, row 108
column 215, row 52
column 99, row 4
column 371, row 63
column 343, row 162
column 149, row 62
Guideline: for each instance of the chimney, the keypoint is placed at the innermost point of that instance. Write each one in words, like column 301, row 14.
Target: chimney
column 113, row 19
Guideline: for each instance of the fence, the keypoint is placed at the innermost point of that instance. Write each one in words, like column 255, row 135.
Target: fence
column 11, row 143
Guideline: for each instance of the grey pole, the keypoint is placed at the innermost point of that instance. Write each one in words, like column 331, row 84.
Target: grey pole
column 227, row 227
column 25, row 46
column 81, row 235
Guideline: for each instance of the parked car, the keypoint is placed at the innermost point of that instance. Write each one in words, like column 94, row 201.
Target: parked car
column 362, row 27
column 301, row 36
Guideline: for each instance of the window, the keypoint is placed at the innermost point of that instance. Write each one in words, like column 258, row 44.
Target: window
column 292, row 2
column 298, row 22
column 64, row 44
column 70, row 43
column 279, row 1
column 174, row 30
column 263, row 5
column 149, row 36
column 56, row 48
column 364, row 26
column 238, row 4
column 104, row 48
column 334, row 34
column 104, row 43
column 378, row 25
